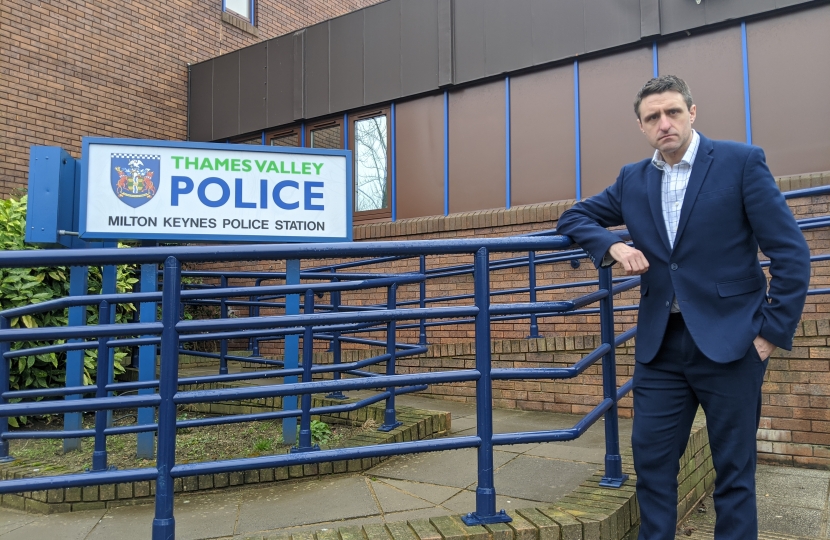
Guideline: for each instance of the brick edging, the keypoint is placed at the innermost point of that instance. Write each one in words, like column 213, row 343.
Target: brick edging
column 417, row 425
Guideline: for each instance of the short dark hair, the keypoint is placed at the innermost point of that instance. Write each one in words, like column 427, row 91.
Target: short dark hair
column 658, row 85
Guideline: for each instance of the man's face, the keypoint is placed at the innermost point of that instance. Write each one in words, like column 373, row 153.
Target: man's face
column 667, row 124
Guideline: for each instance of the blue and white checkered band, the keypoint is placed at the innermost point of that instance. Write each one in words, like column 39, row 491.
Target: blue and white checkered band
column 135, row 177
column 135, row 156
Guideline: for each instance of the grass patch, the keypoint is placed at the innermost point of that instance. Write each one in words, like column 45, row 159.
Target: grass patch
column 205, row 443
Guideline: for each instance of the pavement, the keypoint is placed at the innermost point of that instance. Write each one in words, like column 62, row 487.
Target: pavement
column 792, row 502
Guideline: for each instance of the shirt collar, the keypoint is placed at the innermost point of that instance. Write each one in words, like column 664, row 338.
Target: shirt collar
column 688, row 157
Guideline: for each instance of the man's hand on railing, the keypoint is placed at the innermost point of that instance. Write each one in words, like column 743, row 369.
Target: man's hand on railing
column 632, row 260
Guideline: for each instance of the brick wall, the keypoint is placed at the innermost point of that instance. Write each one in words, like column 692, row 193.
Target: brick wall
column 795, row 414
column 117, row 69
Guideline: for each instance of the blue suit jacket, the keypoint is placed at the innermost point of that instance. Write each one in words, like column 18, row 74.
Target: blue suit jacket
column 731, row 207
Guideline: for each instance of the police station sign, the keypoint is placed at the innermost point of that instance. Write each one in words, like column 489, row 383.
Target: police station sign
column 138, row 189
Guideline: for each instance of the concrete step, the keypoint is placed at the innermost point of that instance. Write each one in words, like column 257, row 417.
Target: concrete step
column 707, row 532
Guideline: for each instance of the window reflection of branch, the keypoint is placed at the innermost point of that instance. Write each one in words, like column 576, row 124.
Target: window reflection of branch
column 370, row 135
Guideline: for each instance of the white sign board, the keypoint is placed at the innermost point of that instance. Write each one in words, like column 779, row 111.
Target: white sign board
column 160, row 190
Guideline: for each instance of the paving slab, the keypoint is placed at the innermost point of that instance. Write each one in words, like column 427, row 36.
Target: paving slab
column 314, row 527
column 465, row 502
column 424, row 513
column 392, row 499
column 778, row 518
column 569, row 452
column 319, row 501
column 13, row 519
column 794, row 490
column 540, row 479
column 130, row 523
column 454, row 468
column 436, row 494
column 71, row 526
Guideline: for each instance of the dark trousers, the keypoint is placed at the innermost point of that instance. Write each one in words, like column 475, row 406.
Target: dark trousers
column 667, row 392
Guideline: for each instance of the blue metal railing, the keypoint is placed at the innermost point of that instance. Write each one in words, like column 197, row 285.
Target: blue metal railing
column 312, row 324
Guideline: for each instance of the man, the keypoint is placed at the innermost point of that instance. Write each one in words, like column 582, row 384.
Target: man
column 697, row 212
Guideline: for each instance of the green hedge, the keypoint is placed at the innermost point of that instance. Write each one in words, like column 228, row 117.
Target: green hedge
column 26, row 286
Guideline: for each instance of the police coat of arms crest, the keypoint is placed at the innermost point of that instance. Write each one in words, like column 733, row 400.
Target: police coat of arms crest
column 135, row 177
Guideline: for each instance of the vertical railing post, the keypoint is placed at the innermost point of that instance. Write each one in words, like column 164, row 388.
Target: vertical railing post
column 78, row 285
column 109, row 285
column 422, row 325
column 145, row 442
column 5, row 347
column 223, row 343
column 389, row 420
column 304, row 444
column 531, row 277
column 290, row 351
column 336, row 350
column 254, row 312
column 485, row 491
column 614, row 476
column 164, row 526
column 102, row 373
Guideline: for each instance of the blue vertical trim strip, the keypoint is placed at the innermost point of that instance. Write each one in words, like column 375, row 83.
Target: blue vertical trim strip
column 577, row 144
column 507, row 141
column 747, row 110
column 394, row 202
column 654, row 65
column 345, row 131
column 446, row 153
column 302, row 134
column 263, row 137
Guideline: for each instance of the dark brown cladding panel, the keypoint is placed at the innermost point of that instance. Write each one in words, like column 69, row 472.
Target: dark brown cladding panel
column 711, row 63
column 420, row 157
column 468, row 41
column 788, row 77
column 200, row 108
column 316, row 80
column 382, row 52
column 419, row 46
column 253, row 88
column 735, row 9
column 508, row 35
column 542, row 157
column 226, row 96
column 346, row 61
column 609, row 24
column 280, row 81
column 610, row 137
column 477, row 148
column 558, row 30
column 678, row 15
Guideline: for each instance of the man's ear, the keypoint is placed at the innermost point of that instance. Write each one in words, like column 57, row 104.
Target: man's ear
column 692, row 113
column 640, row 125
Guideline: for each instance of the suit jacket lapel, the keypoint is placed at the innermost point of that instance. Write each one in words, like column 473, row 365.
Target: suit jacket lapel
column 699, row 169
column 654, row 177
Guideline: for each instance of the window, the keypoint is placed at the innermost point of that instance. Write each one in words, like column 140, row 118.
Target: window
column 325, row 134
column 284, row 138
column 240, row 8
column 248, row 140
column 368, row 140
column 370, row 145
